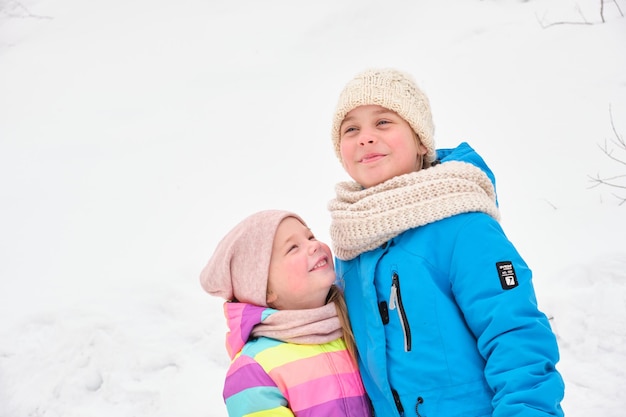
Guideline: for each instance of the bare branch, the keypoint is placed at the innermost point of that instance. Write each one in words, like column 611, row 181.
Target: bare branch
column 618, row 8
column 545, row 26
column 15, row 9
column 611, row 152
column 620, row 140
column 597, row 180
column 580, row 12
column 550, row 203
column 584, row 21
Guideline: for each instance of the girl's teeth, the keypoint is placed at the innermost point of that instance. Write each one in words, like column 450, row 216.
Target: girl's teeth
column 320, row 264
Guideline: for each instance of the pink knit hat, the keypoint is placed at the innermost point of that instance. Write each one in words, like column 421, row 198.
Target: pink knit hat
column 240, row 264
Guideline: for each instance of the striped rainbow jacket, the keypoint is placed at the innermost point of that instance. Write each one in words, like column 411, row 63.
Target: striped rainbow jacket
column 268, row 377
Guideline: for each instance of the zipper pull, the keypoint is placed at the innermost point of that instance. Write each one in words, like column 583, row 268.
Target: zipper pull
column 393, row 297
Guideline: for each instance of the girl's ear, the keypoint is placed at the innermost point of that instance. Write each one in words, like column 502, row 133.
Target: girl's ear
column 271, row 298
column 421, row 149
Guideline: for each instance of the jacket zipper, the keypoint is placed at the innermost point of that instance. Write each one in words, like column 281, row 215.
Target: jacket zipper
column 395, row 303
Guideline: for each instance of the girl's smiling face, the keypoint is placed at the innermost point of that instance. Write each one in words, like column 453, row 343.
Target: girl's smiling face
column 301, row 269
column 377, row 144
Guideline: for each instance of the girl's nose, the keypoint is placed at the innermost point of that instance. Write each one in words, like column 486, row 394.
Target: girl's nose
column 314, row 246
column 366, row 138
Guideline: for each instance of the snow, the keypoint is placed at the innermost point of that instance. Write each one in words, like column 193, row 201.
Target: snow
column 134, row 134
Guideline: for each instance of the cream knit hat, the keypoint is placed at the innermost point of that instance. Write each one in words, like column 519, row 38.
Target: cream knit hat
column 394, row 90
column 240, row 264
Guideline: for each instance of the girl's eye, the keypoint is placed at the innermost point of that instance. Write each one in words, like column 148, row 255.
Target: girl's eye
column 292, row 247
column 383, row 122
column 348, row 130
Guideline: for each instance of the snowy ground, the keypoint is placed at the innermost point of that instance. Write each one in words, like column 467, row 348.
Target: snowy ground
column 134, row 134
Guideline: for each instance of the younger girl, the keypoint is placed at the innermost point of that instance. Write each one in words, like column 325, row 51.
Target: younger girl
column 285, row 339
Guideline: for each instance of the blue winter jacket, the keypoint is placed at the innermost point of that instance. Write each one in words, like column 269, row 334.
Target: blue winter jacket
column 446, row 321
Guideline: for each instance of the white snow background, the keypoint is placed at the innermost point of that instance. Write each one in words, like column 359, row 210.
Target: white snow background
column 134, row 134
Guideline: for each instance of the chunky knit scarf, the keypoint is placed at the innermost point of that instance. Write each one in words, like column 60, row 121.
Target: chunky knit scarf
column 312, row 326
column 363, row 219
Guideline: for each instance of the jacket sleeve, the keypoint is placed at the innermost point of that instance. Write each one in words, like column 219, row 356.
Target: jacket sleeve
column 249, row 390
column 493, row 287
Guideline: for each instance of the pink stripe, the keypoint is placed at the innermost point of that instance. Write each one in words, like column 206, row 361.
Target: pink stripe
column 323, row 390
column 241, row 362
column 233, row 337
column 303, row 370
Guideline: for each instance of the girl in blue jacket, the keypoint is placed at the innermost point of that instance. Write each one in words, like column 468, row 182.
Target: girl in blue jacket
column 441, row 303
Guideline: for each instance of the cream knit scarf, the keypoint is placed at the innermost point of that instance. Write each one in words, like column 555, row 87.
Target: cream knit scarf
column 363, row 219
column 312, row 326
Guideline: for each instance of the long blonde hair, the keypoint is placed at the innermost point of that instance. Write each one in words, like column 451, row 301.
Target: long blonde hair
column 336, row 295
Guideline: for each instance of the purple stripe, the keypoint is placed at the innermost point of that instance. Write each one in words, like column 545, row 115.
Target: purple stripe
column 352, row 406
column 250, row 317
column 248, row 376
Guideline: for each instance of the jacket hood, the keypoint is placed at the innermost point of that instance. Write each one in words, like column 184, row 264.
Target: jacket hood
column 241, row 319
column 310, row 326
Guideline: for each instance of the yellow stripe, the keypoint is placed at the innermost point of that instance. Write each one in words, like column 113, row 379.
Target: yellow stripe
column 275, row 412
column 289, row 352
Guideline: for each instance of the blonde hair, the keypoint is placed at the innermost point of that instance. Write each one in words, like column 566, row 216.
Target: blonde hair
column 336, row 295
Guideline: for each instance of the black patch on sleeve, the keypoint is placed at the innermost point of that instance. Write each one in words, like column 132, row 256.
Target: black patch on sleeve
column 506, row 272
